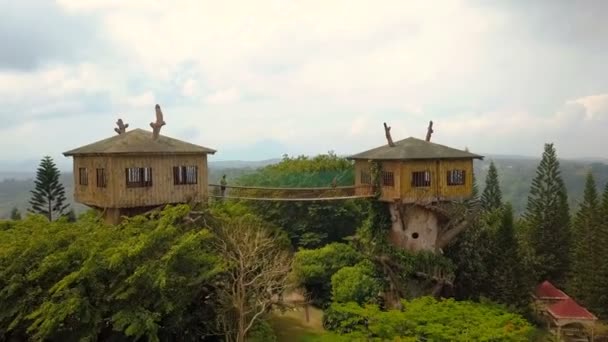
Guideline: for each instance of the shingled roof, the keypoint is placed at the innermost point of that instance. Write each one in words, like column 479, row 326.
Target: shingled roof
column 546, row 290
column 569, row 309
column 139, row 141
column 413, row 148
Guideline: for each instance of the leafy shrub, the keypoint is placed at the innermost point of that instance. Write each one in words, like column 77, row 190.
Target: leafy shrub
column 79, row 281
column 426, row 318
column 262, row 332
column 313, row 268
column 355, row 283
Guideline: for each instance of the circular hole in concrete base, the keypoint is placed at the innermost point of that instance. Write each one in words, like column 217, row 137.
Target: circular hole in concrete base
column 415, row 235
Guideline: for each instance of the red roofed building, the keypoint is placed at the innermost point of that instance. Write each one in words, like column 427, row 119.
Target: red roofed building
column 568, row 309
column 546, row 291
column 564, row 316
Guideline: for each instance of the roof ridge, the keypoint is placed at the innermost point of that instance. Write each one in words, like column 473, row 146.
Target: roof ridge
column 414, row 148
column 140, row 141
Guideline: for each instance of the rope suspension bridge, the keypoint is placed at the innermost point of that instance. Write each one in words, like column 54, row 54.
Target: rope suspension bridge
column 293, row 194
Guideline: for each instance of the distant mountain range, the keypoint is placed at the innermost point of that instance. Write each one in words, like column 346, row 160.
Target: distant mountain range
column 27, row 167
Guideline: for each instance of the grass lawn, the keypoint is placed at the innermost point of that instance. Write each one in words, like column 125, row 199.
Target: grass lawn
column 291, row 326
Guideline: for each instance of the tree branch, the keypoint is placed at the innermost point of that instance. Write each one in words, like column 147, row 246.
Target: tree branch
column 156, row 126
column 429, row 131
column 387, row 132
column 122, row 127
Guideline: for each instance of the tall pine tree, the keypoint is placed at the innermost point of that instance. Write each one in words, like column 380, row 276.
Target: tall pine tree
column 470, row 254
column 48, row 196
column 491, row 198
column 547, row 220
column 602, row 301
column 507, row 272
column 586, row 246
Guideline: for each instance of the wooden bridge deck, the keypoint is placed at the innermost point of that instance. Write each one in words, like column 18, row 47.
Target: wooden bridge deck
column 257, row 193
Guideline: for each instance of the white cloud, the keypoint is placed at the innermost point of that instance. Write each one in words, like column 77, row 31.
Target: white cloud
column 143, row 100
column 317, row 75
column 189, row 88
column 596, row 106
column 224, row 96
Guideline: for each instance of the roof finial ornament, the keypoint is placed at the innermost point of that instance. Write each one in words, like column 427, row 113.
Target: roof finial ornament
column 387, row 132
column 429, row 131
column 122, row 127
column 156, row 126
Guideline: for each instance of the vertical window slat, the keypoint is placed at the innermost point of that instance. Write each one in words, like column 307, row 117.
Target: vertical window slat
column 421, row 179
column 185, row 175
column 456, row 177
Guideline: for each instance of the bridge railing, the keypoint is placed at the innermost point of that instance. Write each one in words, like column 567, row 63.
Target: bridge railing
column 287, row 193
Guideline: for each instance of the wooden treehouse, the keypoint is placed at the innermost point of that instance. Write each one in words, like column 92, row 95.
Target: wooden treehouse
column 138, row 170
column 417, row 177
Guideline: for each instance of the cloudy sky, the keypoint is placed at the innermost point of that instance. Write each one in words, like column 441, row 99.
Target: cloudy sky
column 256, row 79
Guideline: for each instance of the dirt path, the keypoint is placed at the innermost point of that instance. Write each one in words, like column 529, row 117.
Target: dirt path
column 291, row 326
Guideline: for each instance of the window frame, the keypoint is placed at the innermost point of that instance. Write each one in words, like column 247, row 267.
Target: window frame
column 185, row 175
column 388, row 179
column 461, row 177
column 421, row 179
column 101, row 175
column 83, row 176
column 365, row 177
column 142, row 176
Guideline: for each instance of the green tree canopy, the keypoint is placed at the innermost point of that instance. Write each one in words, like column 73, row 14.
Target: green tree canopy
column 314, row 268
column 602, row 271
column 148, row 277
column 547, row 220
column 357, row 283
column 587, row 282
column 491, row 198
column 308, row 223
column 427, row 319
column 510, row 284
column 48, row 196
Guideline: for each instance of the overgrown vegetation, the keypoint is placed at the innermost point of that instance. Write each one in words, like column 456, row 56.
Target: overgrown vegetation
column 162, row 278
column 218, row 273
column 306, row 223
column 426, row 318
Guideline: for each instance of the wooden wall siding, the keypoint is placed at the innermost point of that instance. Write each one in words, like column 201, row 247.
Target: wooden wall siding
column 162, row 191
column 361, row 165
column 392, row 193
column 439, row 188
column 455, row 192
column 90, row 194
column 411, row 194
column 117, row 195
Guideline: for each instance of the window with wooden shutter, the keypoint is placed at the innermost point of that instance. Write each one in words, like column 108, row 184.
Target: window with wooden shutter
column 101, row 178
column 83, row 177
column 138, row 177
column 185, row 175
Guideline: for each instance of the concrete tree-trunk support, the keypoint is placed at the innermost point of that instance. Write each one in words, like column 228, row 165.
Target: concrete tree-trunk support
column 417, row 227
column 414, row 227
